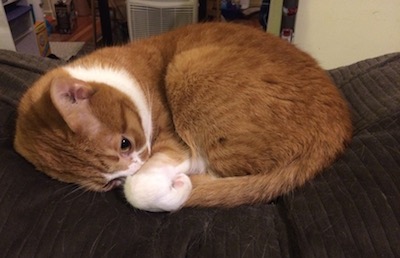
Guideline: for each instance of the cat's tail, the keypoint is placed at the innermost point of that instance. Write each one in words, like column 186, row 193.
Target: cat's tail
column 228, row 192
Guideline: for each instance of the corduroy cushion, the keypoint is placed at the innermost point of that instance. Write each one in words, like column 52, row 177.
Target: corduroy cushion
column 350, row 210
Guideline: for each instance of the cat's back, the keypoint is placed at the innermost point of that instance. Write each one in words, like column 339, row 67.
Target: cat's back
column 237, row 86
column 236, row 58
column 242, row 39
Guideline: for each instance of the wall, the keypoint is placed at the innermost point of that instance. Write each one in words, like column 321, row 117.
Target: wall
column 341, row 32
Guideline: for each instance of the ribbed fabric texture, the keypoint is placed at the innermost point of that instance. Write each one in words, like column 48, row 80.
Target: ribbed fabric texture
column 351, row 210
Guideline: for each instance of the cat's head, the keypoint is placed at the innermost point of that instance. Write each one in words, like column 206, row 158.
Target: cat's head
column 82, row 132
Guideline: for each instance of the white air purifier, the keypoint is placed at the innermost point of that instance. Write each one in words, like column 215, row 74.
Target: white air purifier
column 151, row 17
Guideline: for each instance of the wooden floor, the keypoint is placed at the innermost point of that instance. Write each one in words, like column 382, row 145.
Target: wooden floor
column 83, row 31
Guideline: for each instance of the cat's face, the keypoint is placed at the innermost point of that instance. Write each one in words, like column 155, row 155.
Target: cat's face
column 78, row 132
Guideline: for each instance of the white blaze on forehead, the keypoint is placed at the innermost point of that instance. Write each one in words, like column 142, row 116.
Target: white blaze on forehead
column 120, row 80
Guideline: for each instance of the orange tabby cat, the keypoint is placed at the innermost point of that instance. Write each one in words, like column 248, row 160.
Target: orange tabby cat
column 212, row 114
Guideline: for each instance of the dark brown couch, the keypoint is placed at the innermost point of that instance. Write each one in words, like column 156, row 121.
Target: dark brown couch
column 351, row 210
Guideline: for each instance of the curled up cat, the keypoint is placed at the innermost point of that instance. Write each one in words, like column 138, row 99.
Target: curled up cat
column 213, row 114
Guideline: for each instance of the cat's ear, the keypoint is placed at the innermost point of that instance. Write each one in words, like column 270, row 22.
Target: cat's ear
column 71, row 97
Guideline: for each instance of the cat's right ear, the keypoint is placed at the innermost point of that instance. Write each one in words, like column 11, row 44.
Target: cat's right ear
column 71, row 97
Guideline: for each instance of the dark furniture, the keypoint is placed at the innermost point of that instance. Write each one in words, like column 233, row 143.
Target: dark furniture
column 105, row 22
column 351, row 210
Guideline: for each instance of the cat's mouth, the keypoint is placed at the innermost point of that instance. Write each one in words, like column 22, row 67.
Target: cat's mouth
column 116, row 179
column 114, row 183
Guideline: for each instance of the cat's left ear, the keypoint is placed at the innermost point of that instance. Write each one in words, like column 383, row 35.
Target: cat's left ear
column 71, row 98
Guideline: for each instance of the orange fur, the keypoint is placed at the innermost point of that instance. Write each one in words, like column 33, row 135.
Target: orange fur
column 261, row 114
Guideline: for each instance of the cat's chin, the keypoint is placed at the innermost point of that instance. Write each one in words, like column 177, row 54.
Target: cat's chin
column 117, row 179
column 157, row 192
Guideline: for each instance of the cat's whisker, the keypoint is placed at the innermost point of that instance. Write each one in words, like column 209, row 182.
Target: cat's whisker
column 73, row 186
column 76, row 188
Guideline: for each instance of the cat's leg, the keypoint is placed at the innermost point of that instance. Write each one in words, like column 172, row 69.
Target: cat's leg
column 160, row 185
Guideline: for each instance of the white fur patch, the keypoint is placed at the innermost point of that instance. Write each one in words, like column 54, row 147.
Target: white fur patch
column 197, row 166
column 120, row 80
column 136, row 164
column 118, row 174
column 159, row 185
column 157, row 189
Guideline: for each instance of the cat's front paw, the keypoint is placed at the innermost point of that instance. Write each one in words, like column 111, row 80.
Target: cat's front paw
column 157, row 191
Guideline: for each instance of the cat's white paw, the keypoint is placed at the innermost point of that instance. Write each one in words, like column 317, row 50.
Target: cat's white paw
column 157, row 191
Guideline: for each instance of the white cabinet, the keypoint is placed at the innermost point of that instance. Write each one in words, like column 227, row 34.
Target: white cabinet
column 17, row 29
column 6, row 41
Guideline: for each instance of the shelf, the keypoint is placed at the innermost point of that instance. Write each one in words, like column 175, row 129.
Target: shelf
column 15, row 11
column 22, row 35
column 7, row 2
column 20, row 20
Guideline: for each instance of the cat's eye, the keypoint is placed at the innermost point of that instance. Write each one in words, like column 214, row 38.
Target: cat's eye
column 126, row 145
